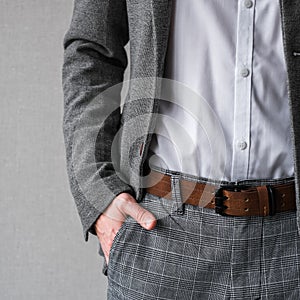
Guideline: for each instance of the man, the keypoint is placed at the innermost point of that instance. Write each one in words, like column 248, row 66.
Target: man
column 214, row 223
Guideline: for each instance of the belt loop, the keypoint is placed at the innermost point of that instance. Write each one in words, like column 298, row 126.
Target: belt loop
column 263, row 197
column 176, row 194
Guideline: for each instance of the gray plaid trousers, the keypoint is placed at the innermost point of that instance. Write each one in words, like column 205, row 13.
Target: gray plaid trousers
column 193, row 253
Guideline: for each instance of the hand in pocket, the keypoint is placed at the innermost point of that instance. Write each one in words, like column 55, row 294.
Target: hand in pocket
column 109, row 223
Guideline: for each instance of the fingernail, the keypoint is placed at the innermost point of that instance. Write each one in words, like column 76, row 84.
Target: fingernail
column 149, row 222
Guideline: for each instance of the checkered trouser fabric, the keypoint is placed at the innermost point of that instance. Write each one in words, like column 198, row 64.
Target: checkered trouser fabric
column 196, row 254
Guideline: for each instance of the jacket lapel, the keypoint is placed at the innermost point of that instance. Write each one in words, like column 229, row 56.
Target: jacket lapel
column 290, row 18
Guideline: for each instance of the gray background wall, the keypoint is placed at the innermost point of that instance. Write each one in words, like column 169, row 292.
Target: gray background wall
column 42, row 251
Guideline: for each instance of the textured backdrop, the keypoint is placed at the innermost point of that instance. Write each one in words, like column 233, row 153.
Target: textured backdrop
column 42, row 251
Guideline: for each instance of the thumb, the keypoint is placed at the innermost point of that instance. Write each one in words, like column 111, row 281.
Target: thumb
column 145, row 218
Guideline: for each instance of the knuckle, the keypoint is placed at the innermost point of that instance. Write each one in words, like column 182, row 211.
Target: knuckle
column 125, row 196
column 140, row 213
column 121, row 202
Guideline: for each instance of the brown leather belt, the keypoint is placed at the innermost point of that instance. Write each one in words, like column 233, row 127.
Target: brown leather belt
column 232, row 200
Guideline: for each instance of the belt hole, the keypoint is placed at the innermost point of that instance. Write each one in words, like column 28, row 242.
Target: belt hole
column 247, row 200
column 282, row 195
column 212, row 202
column 247, row 209
column 282, row 204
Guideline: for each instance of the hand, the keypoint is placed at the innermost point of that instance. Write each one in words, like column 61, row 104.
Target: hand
column 108, row 224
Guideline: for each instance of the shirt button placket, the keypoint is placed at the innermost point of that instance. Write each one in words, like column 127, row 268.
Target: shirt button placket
column 244, row 55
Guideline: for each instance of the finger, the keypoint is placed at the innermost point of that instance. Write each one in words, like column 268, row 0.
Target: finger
column 113, row 212
column 106, row 257
column 145, row 218
column 105, row 250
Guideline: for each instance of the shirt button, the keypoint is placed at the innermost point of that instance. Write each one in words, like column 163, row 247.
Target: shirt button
column 242, row 145
column 248, row 3
column 245, row 72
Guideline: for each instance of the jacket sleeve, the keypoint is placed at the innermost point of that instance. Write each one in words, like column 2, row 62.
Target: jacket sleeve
column 94, row 61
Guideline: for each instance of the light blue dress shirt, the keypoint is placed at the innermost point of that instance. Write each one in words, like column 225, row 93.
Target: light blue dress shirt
column 230, row 53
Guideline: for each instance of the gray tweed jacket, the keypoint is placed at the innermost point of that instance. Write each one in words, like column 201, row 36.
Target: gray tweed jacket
column 95, row 60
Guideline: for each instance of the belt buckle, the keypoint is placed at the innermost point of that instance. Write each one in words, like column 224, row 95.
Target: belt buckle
column 220, row 198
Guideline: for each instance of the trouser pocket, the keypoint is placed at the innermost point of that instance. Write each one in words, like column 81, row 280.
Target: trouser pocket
column 115, row 240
